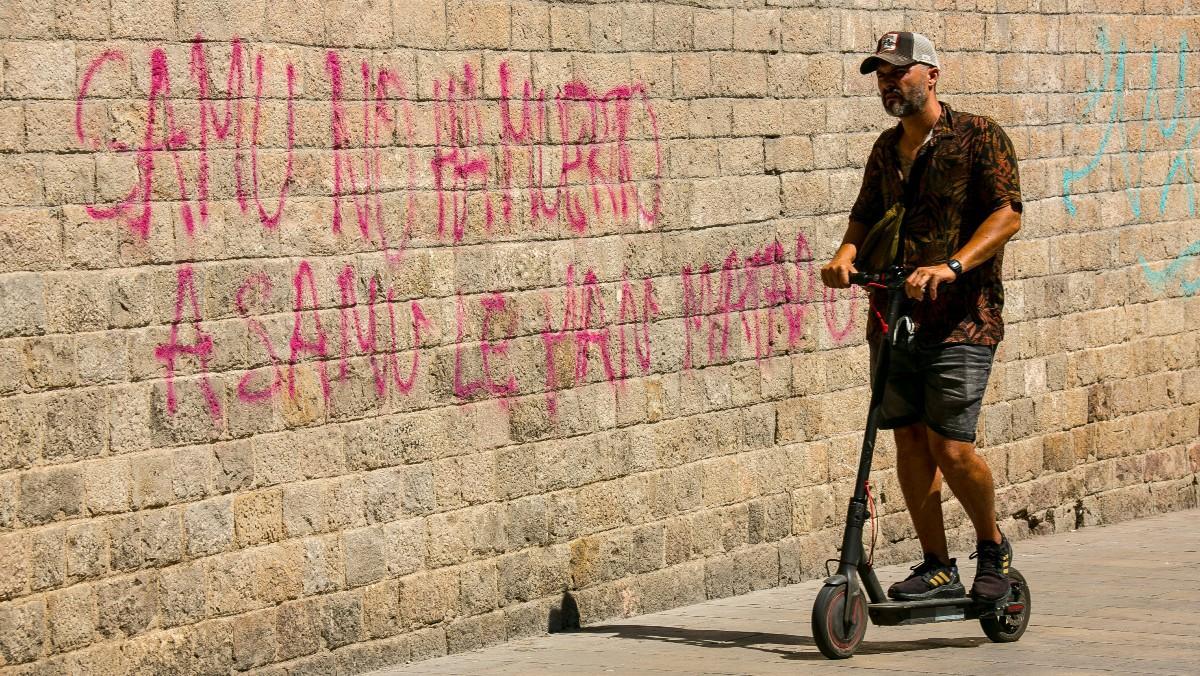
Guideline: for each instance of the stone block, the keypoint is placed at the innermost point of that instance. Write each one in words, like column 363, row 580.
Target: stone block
column 473, row 633
column 70, row 618
column 230, row 581
column 481, row 24
column 181, row 594
column 570, row 28
column 14, row 564
column 152, row 480
column 108, row 485
column 51, row 494
column 23, row 630
column 126, row 606
column 47, row 558
column 153, row 20
column 341, row 619
column 429, row 597
column 323, row 565
column 479, row 588
column 209, row 526
column 381, row 609
column 405, row 546
column 278, row 572
column 373, row 656
column 234, row 467
column 302, row 508
column 258, row 517
column 21, row 305
column 365, row 558
column 254, row 639
column 297, row 629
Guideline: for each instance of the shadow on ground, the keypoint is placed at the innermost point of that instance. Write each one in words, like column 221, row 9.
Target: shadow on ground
column 769, row 643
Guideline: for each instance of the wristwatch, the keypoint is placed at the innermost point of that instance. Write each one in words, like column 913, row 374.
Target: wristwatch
column 954, row 265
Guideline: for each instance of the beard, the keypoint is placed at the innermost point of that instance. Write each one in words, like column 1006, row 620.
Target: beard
column 904, row 101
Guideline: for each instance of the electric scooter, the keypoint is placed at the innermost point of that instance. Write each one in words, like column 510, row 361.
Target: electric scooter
column 840, row 613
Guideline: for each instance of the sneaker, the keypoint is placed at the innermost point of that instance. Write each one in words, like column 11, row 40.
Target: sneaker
column 991, row 574
column 930, row 579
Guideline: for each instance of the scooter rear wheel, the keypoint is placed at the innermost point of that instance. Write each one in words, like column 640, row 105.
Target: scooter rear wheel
column 1010, row 626
column 833, row 636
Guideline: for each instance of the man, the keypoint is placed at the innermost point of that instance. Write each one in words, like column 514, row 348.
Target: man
column 966, row 205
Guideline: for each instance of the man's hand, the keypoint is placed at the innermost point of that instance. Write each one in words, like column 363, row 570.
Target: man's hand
column 836, row 273
column 927, row 279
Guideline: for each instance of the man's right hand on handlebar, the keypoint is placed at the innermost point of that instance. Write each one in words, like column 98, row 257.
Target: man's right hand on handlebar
column 836, row 273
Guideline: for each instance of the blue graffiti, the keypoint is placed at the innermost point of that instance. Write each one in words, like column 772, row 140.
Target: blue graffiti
column 1112, row 82
column 1158, row 278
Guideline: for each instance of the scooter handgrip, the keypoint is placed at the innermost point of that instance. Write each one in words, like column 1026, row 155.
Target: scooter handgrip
column 865, row 278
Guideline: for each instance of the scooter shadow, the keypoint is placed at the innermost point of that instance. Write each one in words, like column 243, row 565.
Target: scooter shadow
column 770, row 643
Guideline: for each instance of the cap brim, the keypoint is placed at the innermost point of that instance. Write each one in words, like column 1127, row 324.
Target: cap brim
column 872, row 62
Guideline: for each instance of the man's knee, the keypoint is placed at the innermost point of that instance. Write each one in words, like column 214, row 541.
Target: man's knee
column 952, row 456
column 911, row 438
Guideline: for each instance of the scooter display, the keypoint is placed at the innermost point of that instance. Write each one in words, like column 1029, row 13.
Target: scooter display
column 841, row 611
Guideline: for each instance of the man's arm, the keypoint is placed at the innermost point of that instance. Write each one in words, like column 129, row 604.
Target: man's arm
column 992, row 234
column 836, row 273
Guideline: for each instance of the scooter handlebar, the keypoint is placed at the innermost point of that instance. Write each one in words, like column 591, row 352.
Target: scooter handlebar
column 892, row 278
column 865, row 278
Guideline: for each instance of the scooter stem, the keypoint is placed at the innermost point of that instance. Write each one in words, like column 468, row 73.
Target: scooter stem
column 853, row 559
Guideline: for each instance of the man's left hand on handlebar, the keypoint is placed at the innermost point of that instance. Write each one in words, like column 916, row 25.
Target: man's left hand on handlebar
column 928, row 278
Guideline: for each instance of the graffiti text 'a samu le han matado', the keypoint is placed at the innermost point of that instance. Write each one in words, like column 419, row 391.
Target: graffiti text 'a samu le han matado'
column 1112, row 83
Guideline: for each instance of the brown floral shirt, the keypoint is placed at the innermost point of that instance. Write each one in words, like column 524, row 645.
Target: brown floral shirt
column 970, row 173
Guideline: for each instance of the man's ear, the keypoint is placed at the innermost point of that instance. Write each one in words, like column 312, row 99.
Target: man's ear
column 934, row 73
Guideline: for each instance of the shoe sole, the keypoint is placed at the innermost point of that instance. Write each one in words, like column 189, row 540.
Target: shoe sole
column 951, row 591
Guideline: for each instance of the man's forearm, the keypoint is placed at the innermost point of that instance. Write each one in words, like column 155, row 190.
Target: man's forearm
column 855, row 234
column 989, row 237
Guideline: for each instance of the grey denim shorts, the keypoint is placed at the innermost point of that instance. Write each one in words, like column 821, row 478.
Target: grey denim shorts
column 941, row 386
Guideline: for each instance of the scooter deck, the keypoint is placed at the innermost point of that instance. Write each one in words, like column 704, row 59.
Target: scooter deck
column 892, row 613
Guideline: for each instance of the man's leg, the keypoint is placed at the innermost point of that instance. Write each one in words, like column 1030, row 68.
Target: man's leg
column 971, row 480
column 921, row 483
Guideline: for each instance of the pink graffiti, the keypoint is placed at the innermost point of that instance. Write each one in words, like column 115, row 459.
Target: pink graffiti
column 404, row 385
column 641, row 327
column 270, row 221
column 84, row 87
column 173, row 138
column 260, row 285
column 460, row 165
column 378, row 124
column 586, row 322
column 201, row 349
column 299, row 344
column 760, row 291
column 212, row 122
column 829, row 297
column 493, row 305
column 603, row 137
column 595, row 174
column 208, row 114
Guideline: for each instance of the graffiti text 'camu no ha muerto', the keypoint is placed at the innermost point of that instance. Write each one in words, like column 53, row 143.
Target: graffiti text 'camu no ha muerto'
column 1123, row 125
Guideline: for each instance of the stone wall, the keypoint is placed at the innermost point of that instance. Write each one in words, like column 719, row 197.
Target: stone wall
column 334, row 335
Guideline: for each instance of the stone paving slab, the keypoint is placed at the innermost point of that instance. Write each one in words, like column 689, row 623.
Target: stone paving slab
column 1120, row 599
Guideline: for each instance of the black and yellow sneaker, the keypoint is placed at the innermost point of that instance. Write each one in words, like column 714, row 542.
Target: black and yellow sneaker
column 991, row 573
column 930, row 579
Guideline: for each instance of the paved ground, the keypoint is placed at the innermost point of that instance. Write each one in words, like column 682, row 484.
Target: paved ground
column 1121, row 599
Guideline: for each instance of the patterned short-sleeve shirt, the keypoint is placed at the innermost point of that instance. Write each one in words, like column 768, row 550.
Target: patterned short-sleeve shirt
column 970, row 173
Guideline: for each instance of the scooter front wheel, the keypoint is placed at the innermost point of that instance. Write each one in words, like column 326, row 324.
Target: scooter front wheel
column 1010, row 625
column 834, row 637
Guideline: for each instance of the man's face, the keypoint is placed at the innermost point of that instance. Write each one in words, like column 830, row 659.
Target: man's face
column 904, row 90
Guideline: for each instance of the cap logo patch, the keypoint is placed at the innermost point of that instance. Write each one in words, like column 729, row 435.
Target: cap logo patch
column 888, row 42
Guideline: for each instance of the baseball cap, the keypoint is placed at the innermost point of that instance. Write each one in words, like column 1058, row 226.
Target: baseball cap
column 900, row 48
